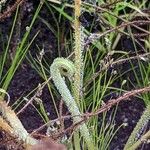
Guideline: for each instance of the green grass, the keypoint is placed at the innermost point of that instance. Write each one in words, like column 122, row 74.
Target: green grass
column 102, row 84
column 96, row 61
column 20, row 52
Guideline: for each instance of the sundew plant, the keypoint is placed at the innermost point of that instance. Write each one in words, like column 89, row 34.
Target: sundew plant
column 99, row 46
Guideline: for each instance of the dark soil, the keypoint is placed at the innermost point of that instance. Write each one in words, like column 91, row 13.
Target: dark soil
column 26, row 79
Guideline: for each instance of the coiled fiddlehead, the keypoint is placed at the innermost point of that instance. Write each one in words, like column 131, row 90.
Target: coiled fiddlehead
column 62, row 66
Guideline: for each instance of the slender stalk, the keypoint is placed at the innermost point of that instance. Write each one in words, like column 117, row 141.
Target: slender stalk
column 143, row 139
column 78, row 53
column 78, row 77
column 139, row 126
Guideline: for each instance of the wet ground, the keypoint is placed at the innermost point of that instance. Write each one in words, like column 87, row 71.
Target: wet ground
column 26, row 79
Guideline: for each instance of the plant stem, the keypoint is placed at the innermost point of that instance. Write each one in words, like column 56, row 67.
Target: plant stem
column 59, row 67
column 15, row 124
column 144, row 138
column 78, row 53
column 141, row 123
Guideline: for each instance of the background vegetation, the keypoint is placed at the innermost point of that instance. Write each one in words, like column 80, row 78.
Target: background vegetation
column 114, row 42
